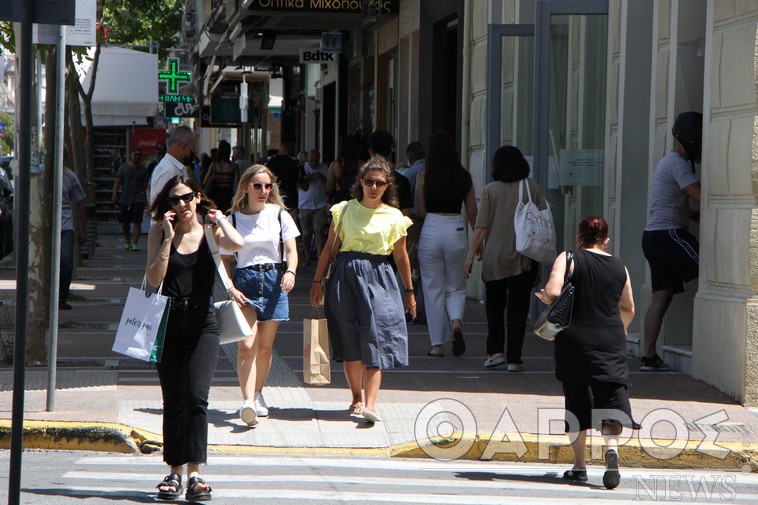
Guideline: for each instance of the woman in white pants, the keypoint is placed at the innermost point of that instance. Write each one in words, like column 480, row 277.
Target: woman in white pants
column 442, row 188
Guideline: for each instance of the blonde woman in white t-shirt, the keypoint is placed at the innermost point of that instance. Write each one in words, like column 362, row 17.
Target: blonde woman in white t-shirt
column 265, row 273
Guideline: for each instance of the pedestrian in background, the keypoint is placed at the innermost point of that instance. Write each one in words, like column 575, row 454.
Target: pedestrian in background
column 312, row 213
column 72, row 211
column 132, row 180
column 670, row 249
column 415, row 160
column 179, row 259
column 364, row 308
column 238, row 157
column 591, row 355
column 264, row 274
column 508, row 275
column 222, row 177
column 343, row 172
column 442, row 189
column 284, row 167
column 181, row 147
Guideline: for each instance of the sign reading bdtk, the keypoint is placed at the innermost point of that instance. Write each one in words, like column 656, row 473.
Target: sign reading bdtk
column 318, row 56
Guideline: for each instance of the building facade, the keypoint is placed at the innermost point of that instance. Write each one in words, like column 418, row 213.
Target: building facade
column 587, row 89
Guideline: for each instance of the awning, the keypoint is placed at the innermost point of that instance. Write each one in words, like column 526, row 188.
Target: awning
column 126, row 89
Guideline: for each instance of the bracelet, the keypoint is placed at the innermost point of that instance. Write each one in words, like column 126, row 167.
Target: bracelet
column 409, row 290
column 290, row 272
column 316, row 282
column 165, row 256
column 222, row 217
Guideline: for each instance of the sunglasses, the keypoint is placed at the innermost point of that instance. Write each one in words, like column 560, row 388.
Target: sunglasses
column 186, row 198
column 258, row 186
column 373, row 182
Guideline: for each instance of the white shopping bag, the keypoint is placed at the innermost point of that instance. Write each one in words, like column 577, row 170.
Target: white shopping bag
column 143, row 323
column 535, row 230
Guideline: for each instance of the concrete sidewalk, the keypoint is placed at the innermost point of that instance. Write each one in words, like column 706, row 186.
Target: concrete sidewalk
column 446, row 408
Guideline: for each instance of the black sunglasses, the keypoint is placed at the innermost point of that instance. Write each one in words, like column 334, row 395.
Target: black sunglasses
column 258, row 186
column 186, row 198
column 373, row 182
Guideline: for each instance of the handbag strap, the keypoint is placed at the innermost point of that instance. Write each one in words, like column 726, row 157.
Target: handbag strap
column 211, row 240
column 336, row 234
column 521, row 191
column 569, row 258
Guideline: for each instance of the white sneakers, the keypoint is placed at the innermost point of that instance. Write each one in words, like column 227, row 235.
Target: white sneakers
column 260, row 405
column 248, row 414
column 251, row 410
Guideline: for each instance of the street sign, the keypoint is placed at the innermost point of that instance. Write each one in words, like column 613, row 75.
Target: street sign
column 50, row 12
column 82, row 33
column 176, row 99
column 318, row 56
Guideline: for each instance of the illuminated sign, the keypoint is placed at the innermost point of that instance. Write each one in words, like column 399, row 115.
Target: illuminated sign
column 173, row 76
column 324, row 6
column 176, row 99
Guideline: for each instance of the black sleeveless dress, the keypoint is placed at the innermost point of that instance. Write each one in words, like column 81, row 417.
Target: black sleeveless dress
column 593, row 348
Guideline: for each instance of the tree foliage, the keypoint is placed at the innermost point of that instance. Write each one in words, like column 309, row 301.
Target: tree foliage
column 7, row 143
column 137, row 22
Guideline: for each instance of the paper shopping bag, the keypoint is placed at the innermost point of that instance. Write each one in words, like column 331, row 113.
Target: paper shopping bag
column 316, row 365
column 142, row 329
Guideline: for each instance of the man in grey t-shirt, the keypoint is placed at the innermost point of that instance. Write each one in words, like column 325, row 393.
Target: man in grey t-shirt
column 73, row 198
column 669, row 248
column 132, row 179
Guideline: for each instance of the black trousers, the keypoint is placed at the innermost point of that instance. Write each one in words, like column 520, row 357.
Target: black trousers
column 186, row 369
column 511, row 293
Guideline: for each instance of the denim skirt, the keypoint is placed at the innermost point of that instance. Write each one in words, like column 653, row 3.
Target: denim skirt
column 364, row 312
column 263, row 289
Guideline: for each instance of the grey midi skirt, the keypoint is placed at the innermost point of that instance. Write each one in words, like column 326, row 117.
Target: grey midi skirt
column 364, row 312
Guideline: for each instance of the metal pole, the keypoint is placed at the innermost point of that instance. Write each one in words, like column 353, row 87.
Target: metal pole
column 55, row 260
column 22, row 245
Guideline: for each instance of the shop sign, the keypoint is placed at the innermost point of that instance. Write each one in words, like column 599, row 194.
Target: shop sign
column 322, row 6
column 173, row 76
column 176, row 99
column 318, row 56
column 147, row 139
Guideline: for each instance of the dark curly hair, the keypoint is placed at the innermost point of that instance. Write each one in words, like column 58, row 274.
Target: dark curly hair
column 509, row 165
column 160, row 205
column 377, row 163
column 593, row 230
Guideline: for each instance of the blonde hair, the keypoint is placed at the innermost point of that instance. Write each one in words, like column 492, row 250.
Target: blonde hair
column 239, row 201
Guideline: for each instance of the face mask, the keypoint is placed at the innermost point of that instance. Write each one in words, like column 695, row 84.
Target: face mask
column 189, row 160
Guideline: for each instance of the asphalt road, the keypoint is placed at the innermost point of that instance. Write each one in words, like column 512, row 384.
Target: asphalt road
column 50, row 477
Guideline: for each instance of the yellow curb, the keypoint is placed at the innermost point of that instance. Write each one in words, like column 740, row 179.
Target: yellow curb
column 531, row 448
column 64, row 435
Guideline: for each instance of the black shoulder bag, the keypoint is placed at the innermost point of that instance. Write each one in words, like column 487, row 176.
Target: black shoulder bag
column 556, row 317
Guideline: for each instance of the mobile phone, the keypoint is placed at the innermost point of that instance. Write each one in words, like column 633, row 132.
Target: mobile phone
column 203, row 208
column 174, row 222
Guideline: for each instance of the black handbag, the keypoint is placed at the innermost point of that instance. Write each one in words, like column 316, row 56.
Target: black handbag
column 556, row 317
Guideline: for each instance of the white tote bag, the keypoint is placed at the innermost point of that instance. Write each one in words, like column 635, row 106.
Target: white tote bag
column 232, row 324
column 535, row 229
column 142, row 329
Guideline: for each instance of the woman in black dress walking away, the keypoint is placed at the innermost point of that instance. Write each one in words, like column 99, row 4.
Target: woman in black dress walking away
column 590, row 355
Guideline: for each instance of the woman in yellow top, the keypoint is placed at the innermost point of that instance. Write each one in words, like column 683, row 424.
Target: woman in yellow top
column 364, row 308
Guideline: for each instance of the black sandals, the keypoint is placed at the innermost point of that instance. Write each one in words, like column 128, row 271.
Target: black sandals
column 193, row 494
column 575, row 475
column 174, row 484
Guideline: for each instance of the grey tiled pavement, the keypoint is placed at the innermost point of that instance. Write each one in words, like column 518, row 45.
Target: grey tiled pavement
column 96, row 385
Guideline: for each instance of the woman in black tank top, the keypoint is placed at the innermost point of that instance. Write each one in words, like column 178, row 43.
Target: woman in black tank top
column 590, row 355
column 179, row 258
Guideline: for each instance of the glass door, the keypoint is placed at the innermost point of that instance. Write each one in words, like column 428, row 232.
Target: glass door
column 570, row 75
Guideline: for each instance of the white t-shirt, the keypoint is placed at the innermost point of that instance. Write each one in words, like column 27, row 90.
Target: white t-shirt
column 261, row 233
column 669, row 208
column 315, row 196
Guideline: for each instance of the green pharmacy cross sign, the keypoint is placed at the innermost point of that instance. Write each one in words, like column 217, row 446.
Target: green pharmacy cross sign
column 173, row 76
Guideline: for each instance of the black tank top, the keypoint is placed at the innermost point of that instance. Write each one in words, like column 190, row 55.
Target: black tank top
column 190, row 275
